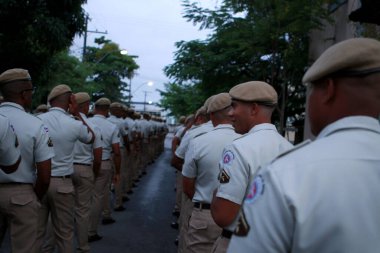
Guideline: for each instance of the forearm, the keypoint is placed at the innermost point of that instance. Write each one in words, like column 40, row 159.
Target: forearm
column 43, row 178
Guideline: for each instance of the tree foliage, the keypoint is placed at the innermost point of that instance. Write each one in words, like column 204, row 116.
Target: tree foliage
column 110, row 69
column 250, row 40
column 33, row 31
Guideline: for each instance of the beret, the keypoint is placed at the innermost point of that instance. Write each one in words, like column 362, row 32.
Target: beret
column 352, row 57
column 116, row 105
column 103, row 101
column 42, row 107
column 82, row 97
column 219, row 102
column 254, row 91
column 207, row 102
column 182, row 119
column 58, row 90
column 201, row 111
column 125, row 108
column 13, row 75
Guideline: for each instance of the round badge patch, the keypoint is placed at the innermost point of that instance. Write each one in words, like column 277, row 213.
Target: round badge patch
column 228, row 157
column 255, row 190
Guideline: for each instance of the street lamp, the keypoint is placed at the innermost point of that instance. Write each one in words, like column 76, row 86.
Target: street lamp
column 122, row 52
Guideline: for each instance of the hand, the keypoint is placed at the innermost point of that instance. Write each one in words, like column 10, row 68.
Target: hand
column 116, row 178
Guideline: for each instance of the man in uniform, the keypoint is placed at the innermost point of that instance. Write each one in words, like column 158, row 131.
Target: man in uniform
column 111, row 140
column 323, row 196
column 21, row 191
column 252, row 107
column 59, row 202
column 10, row 157
column 87, row 161
column 116, row 110
column 202, row 125
column 200, row 173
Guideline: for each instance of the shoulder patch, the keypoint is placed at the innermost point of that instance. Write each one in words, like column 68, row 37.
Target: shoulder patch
column 224, row 177
column 50, row 142
column 242, row 227
column 256, row 189
column 228, row 157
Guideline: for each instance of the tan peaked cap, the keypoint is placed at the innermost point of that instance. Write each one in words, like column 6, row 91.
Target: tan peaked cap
column 116, row 105
column 207, row 102
column 254, row 91
column 350, row 57
column 58, row 90
column 218, row 102
column 13, row 75
column 82, row 97
column 103, row 101
column 201, row 111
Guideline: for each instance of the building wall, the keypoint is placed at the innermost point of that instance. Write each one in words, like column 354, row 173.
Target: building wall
column 341, row 29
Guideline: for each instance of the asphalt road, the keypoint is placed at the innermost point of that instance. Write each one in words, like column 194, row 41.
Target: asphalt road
column 144, row 227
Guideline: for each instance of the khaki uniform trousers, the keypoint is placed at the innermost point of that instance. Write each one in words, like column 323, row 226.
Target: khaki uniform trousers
column 99, row 196
column 129, row 173
column 179, row 191
column 59, row 203
column 221, row 245
column 19, row 209
column 121, row 185
column 202, row 232
column 184, row 218
column 83, row 179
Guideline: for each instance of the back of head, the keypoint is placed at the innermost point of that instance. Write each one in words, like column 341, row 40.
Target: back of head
column 344, row 82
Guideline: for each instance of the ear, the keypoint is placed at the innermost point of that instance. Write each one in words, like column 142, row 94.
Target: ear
column 253, row 109
column 329, row 93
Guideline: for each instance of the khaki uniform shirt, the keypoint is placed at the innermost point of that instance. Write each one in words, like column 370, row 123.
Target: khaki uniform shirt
column 64, row 131
column 83, row 153
column 9, row 147
column 35, row 143
column 320, row 197
column 110, row 134
column 202, row 160
column 242, row 159
column 189, row 135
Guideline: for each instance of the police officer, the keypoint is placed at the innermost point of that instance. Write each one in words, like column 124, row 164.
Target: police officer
column 64, row 131
column 200, row 173
column 111, row 140
column 87, row 161
column 203, row 125
column 42, row 108
column 21, row 191
column 323, row 196
column 252, row 107
column 9, row 148
column 116, row 110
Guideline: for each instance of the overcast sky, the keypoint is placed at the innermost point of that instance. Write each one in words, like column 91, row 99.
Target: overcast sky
column 147, row 28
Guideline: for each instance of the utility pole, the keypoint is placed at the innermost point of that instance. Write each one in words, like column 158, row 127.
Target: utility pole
column 145, row 92
column 85, row 37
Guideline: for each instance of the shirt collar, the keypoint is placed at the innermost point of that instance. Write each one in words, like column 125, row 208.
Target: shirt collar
column 58, row 109
column 13, row 105
column 224, row 126
column 99, row 116
column 352, row 122
column 263, row 126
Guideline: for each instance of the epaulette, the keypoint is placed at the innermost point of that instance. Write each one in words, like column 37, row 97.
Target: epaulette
column 200, row 134
column 296, row 147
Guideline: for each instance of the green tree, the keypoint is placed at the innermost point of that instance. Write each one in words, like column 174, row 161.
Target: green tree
column 33, row 31
column 250, row 40
column 110, row 69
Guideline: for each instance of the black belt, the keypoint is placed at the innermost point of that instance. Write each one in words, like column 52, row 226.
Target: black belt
column 106, row 160
column 226, row 233
column 84, row 164
column 65, row 176
column 202, row 205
